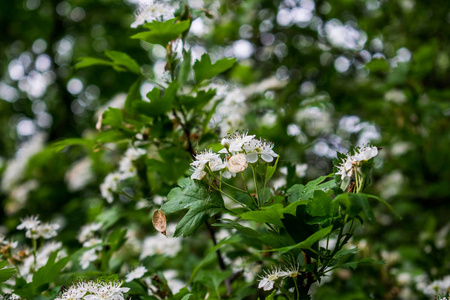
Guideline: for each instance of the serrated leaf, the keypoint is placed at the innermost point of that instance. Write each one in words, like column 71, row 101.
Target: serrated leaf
column 201, row 203
column 308, row 243
column 204, row 69
column 113, row 117
column 199, row 101
column 300, row 192
column 162, row 32
column 158, row 104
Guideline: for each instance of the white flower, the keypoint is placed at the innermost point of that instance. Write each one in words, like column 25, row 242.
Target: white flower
column 28, row 223
column 213, row 160
column 110, row 185
column 345, row 169
column 47, row 230
column 233, row 143
column 92, row 242
column 269, row 279
column 95, row 290
column 87, row 231
column 160, row 244
column 153, row 11
column 198, row 174
column 256, row 147
column 88, row 257
column 365, row 153
column 292, row 271
column 134, row 153
column 136, row 274
column 126, row 168
column 79, row 175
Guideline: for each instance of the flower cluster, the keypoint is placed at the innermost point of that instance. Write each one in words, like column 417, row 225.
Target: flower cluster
column 34, row 228
column 268, row 280
column 151, row 11
column 126, row 170
column 88, row 238
column 137, row 273
column 95, row 290
column 240, row 149
column 345, row 169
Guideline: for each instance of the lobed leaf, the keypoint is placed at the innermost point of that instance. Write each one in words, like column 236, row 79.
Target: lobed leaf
column 204, row 69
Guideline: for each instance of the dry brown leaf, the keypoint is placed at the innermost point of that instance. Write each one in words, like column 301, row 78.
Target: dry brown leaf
column 159, row 221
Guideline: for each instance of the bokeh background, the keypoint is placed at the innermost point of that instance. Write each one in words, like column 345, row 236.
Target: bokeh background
column 314, row 77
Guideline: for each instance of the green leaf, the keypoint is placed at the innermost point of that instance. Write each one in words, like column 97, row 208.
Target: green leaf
column 195, row 196
column 343, row 252
column 187, row 297
column 7, row 273
column 205, row 70
column 308, row 243
column 355, row 264
column 134, row 95
column 158, row 105
column 353, row 203
column 270, row 214
column 321, row 205
column 162, row 32
column 199, row 101
column 119, row 61
column 301, row 192
column 185, row 68
column 270, row 171
column 92, row 61
column 49, row 272
column 61, row 145
column 115, row 240
column 388, row 206
column 122, row 61
column 113, row 117
column 241, row 229
column 211, row 254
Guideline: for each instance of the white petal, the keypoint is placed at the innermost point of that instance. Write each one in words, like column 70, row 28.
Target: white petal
column 266, row 157
column 262, row 283
column 252, row 157
column 268, row 286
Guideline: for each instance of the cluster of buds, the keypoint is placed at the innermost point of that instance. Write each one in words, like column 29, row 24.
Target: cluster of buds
column 354, row 168
column 239, row 150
